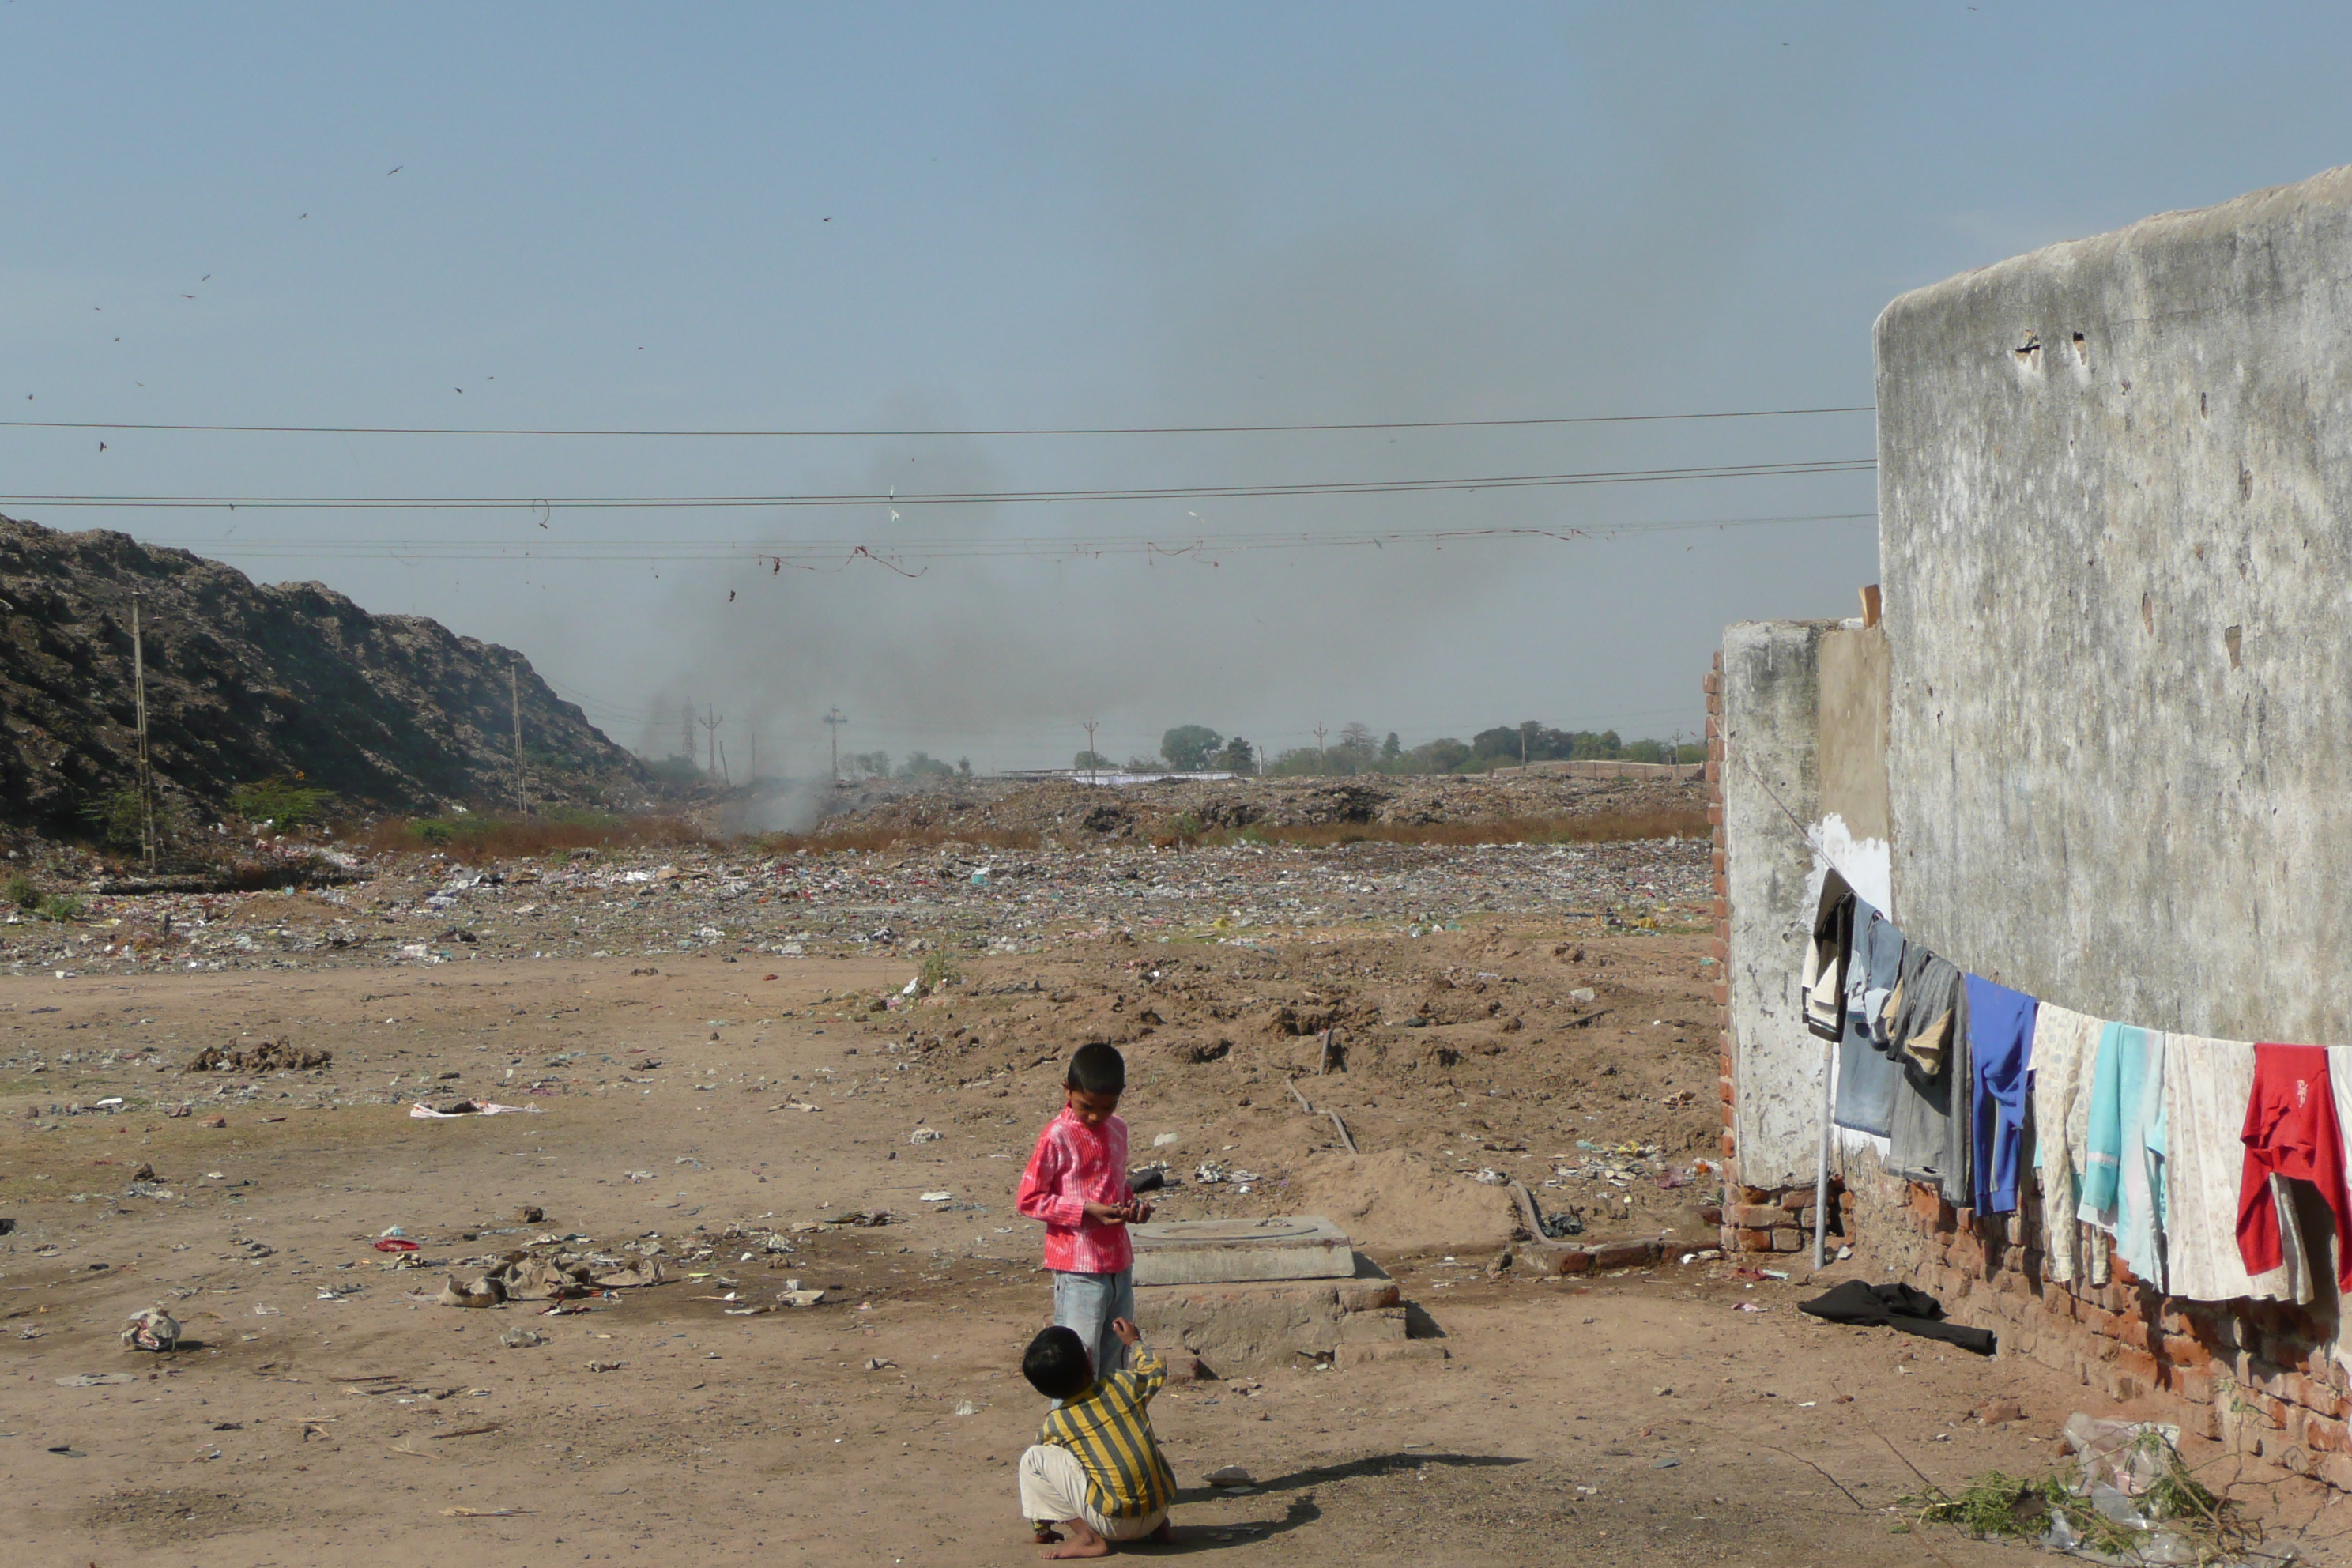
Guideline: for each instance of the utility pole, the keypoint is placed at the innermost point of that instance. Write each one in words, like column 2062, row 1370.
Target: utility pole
column 687, row 722
column 1090, row 751
column 723, row 777
column 1320, row 764
column 146, row 785
column 514, row 698
column 710, row 720
column 752, row 731
column 834, row 721
column 1523, row 748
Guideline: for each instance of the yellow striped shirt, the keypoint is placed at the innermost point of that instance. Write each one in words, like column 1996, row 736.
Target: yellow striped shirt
column 1109, row 1430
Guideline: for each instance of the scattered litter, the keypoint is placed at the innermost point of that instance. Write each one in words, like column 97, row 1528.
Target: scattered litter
column 395, row 1243
column 924, row 1135
column 96, row 1378
column 1162, row 1139
column 604, row 1366
column 483, row 1512
column 1229, row 1476
column 150, row 1329
column 801, row 1298
column 1665, row 1463
column 466, row 1432
column 521, row 1337
column 263, row 1055
column 421, row 1112
column 969, row 1408
column 875, row 1363
column 69, row 1451
column 939, row 1197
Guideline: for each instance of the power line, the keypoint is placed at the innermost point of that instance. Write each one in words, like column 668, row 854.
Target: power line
column 1045, row 547
column 606, row 434
column 547, row 504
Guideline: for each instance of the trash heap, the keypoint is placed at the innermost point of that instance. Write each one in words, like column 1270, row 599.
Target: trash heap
column 2129, row 1498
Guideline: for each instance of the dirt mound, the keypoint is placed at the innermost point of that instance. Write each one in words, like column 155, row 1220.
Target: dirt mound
column 263, row 1055
column 1398, row 1203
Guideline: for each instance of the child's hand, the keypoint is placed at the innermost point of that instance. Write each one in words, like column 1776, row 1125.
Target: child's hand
column 1138, row 1211
column 1107, row 1214
column 1129, row 1334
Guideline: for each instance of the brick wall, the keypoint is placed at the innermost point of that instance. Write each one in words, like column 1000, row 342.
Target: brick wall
column 2257, row 1375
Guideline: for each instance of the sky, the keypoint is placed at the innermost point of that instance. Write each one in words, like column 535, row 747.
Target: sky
column 932, row 220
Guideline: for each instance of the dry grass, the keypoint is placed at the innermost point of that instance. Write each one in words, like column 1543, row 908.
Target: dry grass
column 869, row 840
column 475, row 838
column 1597, row 828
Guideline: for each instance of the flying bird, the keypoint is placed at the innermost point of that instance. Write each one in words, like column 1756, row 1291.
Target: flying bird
column 206, row 278
column 730, row 595
column 187, row 296
column 101, row 446
column 394, row 170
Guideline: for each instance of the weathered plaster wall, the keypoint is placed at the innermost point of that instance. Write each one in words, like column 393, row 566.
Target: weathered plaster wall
column 2116, row 538
column 1770, row 699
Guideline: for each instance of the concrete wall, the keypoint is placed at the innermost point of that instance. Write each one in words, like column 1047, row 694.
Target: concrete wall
column 1771, row 699
column 2116, row 539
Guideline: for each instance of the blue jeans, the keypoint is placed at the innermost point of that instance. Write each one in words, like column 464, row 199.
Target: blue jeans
column 1086, row 1303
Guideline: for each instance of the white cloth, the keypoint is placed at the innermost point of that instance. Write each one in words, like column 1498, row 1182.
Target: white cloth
column 1054, row 1488
column 2064, row 1044
column 2207, row 1084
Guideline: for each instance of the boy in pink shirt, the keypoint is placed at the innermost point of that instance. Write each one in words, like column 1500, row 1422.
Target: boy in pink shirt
column 1076, row 1183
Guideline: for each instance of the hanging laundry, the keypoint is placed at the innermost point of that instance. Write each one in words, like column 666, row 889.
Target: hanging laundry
column 1930, row 1137
column 2290, row 1130
column 2205, row 1085
column 1868, row 1071
column 2123, row 1184
column 2000, row 1046
column 1825, row 959
column 2064, row 1044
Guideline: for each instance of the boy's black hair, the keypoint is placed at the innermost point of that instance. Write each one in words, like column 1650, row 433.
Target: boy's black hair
column 1057, row 1363
column 1097, row 1068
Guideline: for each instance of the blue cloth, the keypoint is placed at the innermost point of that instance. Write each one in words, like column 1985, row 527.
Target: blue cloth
column 2001, row 1045
column 1870, row 1068
column 2122, row 1175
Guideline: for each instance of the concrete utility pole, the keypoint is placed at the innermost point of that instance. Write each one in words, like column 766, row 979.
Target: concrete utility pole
column 1090, row 753
column 1320, row 764
column 139, row 693
column 1523, row 748
column 710, row 720
column 752, row 731
column 834, row 721
column 514, row 698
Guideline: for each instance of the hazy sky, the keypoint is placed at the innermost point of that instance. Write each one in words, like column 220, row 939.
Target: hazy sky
column 903, row 217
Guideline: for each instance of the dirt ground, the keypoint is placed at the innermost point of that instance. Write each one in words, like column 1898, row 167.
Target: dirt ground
column 729, row 1107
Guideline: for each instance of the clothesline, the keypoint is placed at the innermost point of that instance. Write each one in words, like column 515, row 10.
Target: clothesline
column 2186, row 1153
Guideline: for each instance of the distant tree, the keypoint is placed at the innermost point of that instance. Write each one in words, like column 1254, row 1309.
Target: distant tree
column 1146, row 765
column 1441, row 756
column 1496, row 745
column 1238, row 757
column 1356, row 737
column 1092, row 761
column 1391, row 750
column 1646, row 751
column 1297, row 763
column 1187, row 747
column 922, row 764
column 964, row 766
column 873, row 764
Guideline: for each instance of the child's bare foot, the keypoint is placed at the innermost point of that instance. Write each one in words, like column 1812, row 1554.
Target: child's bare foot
column 1082, row 1543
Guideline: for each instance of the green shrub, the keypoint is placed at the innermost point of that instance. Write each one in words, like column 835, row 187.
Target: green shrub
column 940, row 971
column 21, row 891
column 61, row 907
column 284, row 802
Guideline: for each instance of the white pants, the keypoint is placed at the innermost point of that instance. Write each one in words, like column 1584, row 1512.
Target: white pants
column 1054, row 1487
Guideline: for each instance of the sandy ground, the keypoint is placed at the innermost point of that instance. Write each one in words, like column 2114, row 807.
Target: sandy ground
column 324, row 1415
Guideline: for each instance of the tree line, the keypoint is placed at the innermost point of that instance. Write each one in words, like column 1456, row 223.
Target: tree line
column 1197, row 748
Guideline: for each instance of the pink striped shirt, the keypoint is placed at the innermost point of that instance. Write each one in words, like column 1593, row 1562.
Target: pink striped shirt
column 1073, row 1166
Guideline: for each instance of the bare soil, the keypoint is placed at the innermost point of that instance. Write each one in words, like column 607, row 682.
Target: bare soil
column 325, row 1410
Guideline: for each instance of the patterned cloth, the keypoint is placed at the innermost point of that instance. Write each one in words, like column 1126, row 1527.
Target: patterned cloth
column 1109, row 1429
column 1072, row 1166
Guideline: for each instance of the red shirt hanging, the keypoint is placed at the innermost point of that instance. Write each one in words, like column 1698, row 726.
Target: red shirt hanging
column 2291, row 1132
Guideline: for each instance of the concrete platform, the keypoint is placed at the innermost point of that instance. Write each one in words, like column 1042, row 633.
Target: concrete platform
column 1240, row 1325
column 1228, row 1251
